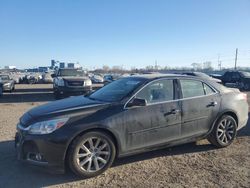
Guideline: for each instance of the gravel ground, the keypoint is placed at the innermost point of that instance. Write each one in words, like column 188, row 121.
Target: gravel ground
column 191, row 165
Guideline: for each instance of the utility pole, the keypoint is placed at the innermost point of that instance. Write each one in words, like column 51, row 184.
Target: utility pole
column 156, row 66
column 219, row 62
column 236, row 57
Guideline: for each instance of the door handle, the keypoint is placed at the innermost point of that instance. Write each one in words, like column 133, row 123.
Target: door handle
column 173, row 111
column 213, row 103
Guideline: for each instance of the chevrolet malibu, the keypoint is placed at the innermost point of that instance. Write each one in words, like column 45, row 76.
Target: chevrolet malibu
column 131, row 115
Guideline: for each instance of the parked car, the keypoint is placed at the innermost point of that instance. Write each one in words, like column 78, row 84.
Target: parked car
column 33, row 78
column 69, row 81
column 47, row 78
column 239, row 79
column 202, row 75
column 128, row 116
column 217, row 76
column 8, row 83
column 97, row 78
column 1, row 88
column 16, row 78
column 108, row 78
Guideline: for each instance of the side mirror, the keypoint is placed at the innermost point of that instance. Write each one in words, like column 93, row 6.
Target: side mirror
column 137, row 102
column 53, row 75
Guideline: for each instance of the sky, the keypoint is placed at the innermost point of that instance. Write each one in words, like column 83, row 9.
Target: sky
column 127, row 33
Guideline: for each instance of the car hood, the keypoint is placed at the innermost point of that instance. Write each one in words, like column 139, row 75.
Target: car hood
column 64, row 106
column 75, row 78
column 6, row 81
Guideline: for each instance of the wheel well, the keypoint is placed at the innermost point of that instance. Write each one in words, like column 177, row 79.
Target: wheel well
column 90, row 130
column 233, row 115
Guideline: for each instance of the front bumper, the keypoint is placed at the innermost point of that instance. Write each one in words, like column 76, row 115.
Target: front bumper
column 73, row 90
column 41, row 150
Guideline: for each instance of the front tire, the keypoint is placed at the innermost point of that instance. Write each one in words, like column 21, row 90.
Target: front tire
column 224, row 132
column 246, row 86
column 91, row 154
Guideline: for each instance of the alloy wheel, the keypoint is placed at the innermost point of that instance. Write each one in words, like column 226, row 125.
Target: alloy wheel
column 226, row 131
column 93, row 154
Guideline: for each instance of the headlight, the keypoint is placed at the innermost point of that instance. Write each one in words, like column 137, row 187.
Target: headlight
column 87, row 83
column 7, row 84
column 46, row 127
column 60, row 82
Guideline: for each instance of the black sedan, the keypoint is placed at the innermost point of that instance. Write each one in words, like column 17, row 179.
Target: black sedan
column 128, row 116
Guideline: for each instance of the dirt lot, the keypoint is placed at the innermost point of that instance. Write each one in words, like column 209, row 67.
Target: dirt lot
column 191, row 165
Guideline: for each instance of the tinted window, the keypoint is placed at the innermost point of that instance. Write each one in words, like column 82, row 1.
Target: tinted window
column 191, row 88
column 235, row 75
column 158, row 91
column 208, row 89
column 117, row 90
column 4, row 77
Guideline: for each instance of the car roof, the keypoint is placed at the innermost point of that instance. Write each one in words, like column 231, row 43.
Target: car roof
column 159, row 75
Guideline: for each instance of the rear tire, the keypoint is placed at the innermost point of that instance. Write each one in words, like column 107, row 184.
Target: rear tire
column 224, row 132
column 91, row 154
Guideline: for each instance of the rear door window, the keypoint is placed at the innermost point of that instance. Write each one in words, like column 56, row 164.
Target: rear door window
column 191, row 88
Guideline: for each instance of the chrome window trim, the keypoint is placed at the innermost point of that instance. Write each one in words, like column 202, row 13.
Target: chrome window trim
column 175, row 100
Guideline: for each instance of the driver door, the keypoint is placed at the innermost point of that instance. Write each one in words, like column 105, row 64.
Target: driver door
column 156, row 123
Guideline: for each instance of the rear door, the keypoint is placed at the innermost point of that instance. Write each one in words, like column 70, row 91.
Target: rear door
column 200, row 105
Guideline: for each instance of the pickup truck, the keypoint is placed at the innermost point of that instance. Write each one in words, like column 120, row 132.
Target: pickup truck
column 69, row 81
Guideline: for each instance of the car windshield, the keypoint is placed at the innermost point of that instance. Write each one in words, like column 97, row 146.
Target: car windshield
column 4, row 77
column 117, row 90
column 71, row 72
column 245, row 74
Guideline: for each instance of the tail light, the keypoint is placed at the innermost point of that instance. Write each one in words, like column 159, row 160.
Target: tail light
column 243, row 96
